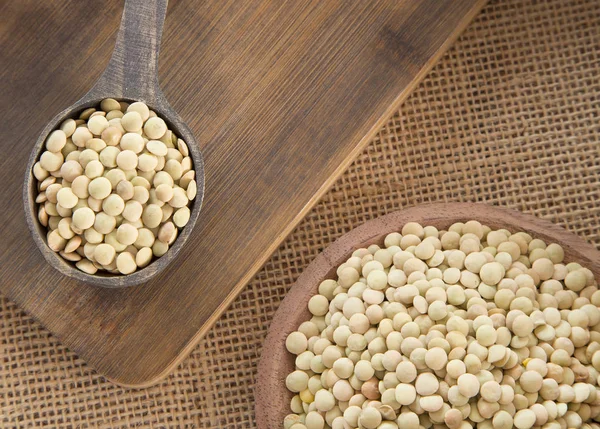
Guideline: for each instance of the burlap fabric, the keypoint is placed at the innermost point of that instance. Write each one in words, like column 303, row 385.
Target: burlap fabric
column 509, row 116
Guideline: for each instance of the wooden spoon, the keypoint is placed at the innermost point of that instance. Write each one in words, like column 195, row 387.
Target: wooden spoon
column 272, row 399
column 131, row 75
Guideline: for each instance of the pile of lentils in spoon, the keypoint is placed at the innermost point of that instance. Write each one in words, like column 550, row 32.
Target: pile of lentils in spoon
column 115, row 186
column 464, row 328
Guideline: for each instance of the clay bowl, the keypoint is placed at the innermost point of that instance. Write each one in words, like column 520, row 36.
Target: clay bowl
column 272, row 399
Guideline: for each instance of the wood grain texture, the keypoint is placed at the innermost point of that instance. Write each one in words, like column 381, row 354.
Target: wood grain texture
column 272, row 399
column 131, row 75
column 280, row 96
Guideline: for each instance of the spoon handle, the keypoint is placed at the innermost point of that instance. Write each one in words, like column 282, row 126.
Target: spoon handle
column 132, row 72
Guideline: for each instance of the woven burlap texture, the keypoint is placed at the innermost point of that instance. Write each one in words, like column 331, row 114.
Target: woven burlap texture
column 509, row 116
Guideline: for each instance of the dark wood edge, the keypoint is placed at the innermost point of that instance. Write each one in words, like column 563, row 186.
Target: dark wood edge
column 271, row 396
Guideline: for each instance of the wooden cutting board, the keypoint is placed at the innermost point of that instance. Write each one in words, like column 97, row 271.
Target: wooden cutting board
column 281, row 96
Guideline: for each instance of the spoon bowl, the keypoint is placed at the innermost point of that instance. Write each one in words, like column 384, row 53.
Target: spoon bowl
column 272, row 399
column 131, row 75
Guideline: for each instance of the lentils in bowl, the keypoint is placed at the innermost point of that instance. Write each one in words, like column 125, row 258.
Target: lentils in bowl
column 114, row 188
column 454, row 328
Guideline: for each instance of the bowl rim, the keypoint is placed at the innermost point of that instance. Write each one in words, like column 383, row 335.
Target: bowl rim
column 38, row 231
column 270, row 394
